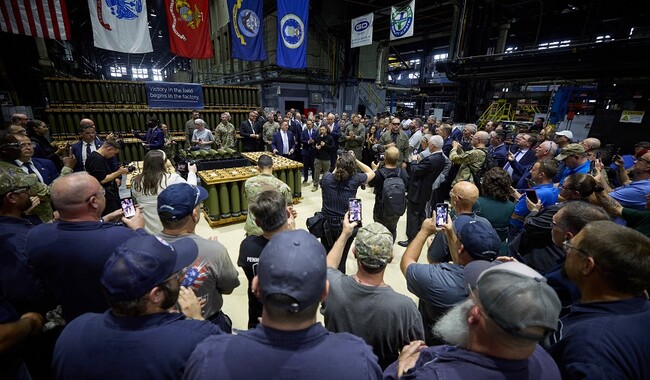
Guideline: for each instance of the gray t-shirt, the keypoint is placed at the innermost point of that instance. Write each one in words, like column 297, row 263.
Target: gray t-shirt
column 211, row 274
column 385, row 319
column 440, row 285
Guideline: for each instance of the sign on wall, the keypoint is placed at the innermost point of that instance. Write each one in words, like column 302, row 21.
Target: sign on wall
column 362, row 30
column 174, row 95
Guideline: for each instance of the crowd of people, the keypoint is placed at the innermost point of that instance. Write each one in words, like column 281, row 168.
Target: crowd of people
column 539, row 270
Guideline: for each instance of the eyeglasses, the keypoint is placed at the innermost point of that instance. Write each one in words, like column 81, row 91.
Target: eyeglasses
column 26, row 145
column 19, row 189
column 644, row 160
column 101, row 192
column 566, row 246
column 395, row 123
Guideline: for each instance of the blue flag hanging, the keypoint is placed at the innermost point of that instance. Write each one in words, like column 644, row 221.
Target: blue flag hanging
column 246, row 30
column 292, row 33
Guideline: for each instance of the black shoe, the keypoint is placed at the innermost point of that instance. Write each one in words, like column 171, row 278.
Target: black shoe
column 404, row 243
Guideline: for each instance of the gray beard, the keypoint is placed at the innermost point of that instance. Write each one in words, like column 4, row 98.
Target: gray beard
column 453, row 327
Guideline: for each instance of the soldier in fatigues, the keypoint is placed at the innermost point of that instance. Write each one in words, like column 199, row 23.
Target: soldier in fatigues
column 268, row 130
column 261, row 182
column 353, row 136
column 224, row 133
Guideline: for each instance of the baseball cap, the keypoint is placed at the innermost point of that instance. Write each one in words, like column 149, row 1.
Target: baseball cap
column 473, row 270
column 9, row 182
column 179, row 200
column 517, row 297
column 144, row 262
column 374, row 245
column 567, row 134
column 293, row 264
column 480, row 240
column 570, row 150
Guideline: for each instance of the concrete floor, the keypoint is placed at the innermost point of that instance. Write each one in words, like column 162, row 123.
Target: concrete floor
column 236, row 304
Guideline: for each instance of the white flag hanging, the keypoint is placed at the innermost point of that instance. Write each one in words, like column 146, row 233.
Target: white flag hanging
column 362, row 30
column 120, row 25
column 401, row 21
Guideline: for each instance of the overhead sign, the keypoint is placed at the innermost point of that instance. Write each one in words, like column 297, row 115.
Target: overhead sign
column 174, row 95
column 362, row 30
column 401, row 21
column 632, row 117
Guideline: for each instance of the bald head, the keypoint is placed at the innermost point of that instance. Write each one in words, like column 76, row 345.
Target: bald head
column 465, row 195
column 77, row 195
column 591, row 143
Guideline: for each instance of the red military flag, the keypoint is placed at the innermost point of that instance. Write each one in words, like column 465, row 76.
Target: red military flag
column 189, row 28
column 38, row 18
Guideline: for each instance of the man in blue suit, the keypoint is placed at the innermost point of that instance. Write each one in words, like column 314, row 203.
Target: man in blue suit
column 42, row 168
column 283, row 142
column 154, row 138
column 522, row 157
column 498, row 149
column 89, row 142
column 308, row 151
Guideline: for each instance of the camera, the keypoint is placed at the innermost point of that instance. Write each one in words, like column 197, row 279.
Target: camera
column 379, row 152
column 129, row 165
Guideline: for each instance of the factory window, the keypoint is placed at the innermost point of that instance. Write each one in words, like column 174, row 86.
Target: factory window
column 440, row 57
column 157, row 75
column 140, row 73
column 117, row 71
column 511, row 49
column 606, row 37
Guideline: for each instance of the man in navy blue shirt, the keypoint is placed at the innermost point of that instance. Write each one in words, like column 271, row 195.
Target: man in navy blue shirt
column 605, row 336
column 291, row 281
column 138, row 338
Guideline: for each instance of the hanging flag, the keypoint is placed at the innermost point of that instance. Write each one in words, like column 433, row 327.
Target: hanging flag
column 401, row 21
column 292, row 33
column 362, row 30
column 120, row 25
column 188, row 22
column 246, row 30
column 47, row 19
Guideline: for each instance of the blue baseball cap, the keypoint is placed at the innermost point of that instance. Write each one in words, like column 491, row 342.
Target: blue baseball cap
column 293, row 264
column 144, row 262
column 179, row 200
column 480, row 240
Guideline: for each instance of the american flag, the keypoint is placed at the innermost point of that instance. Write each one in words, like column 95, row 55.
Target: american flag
column 39, row 18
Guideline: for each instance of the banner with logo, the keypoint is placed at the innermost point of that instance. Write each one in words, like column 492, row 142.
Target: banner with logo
column 401, row 21
column 292, row 33
column 46, row 19
column 120, row 25
column 246, row 30
column 188, row 22
column 174, row 95
column 362, row 30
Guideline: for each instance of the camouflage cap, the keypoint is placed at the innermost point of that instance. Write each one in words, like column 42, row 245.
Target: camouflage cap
column 10, row 182
column 374, row 244
column 570, row 150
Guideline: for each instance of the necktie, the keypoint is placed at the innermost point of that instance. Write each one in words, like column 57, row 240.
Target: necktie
column 29, row 167
column 508, row 167
column 88, row 151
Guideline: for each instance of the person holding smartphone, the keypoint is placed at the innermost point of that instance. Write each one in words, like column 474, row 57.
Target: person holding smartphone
column 337, row 189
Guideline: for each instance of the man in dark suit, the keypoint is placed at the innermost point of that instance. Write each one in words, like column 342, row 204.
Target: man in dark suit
column 523, row 156
column 308, row 149
column 444, row 131
column 295, row 126
column 251, row 133
column 424, row 173
column 42, row 168
column 283, row 141
column 88, row 143
column 498, row 148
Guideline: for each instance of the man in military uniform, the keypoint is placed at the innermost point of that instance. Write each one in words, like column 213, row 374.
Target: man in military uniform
column 9, row 153
column 268, row 130
column 261, row 182
column 353, row 136
column 396, row 137
column 224, row 133
column 190, row 127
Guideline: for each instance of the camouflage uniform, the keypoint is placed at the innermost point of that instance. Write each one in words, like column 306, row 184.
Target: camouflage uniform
column 256, row 185
column 269, row 128
column 224, row 136
column 470, row 162
column 402, row 144
column 355, row 144
column 44, row 209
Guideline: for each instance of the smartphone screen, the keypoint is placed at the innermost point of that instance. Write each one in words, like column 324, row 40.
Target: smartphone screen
column 354, row 208
column 532, row 195
column 442, row 210
column 128, row 207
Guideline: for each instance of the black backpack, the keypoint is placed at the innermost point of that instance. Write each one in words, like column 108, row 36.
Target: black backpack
column 393, row 194
column 489, row 163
